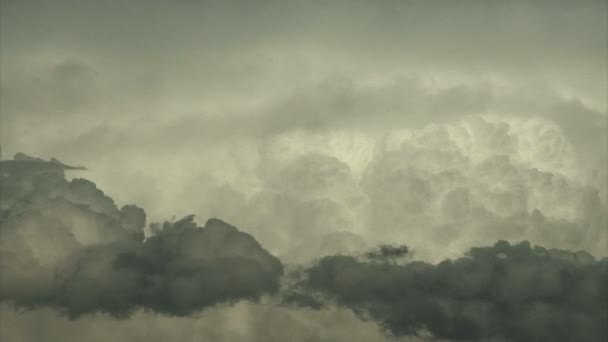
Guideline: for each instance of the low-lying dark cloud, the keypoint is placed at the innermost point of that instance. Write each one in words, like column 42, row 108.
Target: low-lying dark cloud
column 504, row 292
column 65, row 244
column 388, row 252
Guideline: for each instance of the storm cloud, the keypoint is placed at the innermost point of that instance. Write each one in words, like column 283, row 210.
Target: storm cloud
column 318, row 129
column 66, row 245
column 504, row 292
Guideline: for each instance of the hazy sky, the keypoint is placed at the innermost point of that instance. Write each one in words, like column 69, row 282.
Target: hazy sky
column 317, row 127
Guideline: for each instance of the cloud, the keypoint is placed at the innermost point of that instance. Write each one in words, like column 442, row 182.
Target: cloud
column 388, row 252
column 318, row 128
column 484, row 179
column 442, row 187
column 216, row 71
column 242, row 322
column 504, row 292
column 65, row 244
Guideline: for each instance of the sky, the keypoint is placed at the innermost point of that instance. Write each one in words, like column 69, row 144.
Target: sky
column 314, row 131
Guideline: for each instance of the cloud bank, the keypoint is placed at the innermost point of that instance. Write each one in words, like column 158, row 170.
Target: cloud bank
column 66, row 245
column 500, row 293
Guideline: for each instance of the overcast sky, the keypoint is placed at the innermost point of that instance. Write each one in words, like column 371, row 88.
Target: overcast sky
column 318, row 127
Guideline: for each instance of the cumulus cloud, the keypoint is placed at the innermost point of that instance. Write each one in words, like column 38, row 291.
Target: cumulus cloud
column 504, row 292
column 65, row 244
column 485, row 179
column 441, row 188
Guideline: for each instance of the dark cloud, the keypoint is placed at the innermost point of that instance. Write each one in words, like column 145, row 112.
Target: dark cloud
column 242, row 322
column 504, row 292
column 65, row 244
column 320, row 128
column 388, row 252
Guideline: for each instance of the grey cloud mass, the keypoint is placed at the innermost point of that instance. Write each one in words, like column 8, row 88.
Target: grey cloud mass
column 392, row 132
column 65, row 244
column 242, row 322
column 500, row 293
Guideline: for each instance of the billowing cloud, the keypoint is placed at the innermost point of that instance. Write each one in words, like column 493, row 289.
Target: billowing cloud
column 291, row 117
column 441, row 188
column 501, row 293
column 388, row 252
column 66, row 245
column 484, row 179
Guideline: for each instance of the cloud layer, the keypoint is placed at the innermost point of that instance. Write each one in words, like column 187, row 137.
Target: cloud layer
column 65, row 245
